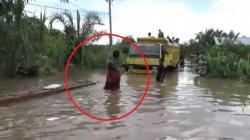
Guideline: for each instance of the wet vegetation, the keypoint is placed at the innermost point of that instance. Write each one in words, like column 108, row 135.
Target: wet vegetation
column 229, row 60
column 28, row 46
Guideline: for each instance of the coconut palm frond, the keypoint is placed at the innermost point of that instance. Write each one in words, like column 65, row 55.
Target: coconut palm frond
column 87, row 27
column 55, row 17
column 99, row 37
column 218, row 33
column 224, row 35
column 5, row 7
column 93, row 17
column 18, row 8
column 43, row 17
column 89, row 21
column 236, row 36
column 232, row 35
column 69, row 17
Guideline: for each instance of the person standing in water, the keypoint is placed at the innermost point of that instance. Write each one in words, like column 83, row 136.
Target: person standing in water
column 181, row 63
column 114, row 75
column 160, row 72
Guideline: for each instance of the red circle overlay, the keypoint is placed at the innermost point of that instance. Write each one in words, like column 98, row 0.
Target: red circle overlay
column 76, row 104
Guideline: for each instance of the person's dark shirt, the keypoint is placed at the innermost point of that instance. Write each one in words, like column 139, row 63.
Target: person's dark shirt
column 160, row 34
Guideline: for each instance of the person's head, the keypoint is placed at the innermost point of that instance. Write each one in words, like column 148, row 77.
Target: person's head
column 159, row 30
column 116, row 53
column 149, row 34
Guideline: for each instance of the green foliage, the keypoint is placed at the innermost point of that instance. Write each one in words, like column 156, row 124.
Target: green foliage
column 228, row 60
column 54, row 53
column 95, row 56
column 28, row 47
column 125, row 45
column 231, row 61
column 206, row 39
column 244, row 68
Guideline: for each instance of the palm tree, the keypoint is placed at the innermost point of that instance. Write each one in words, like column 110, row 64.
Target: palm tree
column 87, row 26
column 75, row 35
column 15, row 37
column 206, row 37
column 89, row 21
column 61, row 18
column 219, row 33
column 233, row 36
column 5, row 7
column 67, row 20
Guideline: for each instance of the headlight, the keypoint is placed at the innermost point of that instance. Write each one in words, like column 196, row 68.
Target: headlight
column 131, row 67
column 154, row 68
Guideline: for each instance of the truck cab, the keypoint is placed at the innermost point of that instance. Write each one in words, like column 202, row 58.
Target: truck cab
column 153, row 49
column 135, row 62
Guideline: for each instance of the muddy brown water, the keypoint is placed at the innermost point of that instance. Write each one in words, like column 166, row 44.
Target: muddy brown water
column 184, row 107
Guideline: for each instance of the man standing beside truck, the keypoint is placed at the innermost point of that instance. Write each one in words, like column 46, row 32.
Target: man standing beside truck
column 161, row 71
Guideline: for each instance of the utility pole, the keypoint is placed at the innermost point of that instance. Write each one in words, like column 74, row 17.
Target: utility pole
column 110, row 22
column 78, row 23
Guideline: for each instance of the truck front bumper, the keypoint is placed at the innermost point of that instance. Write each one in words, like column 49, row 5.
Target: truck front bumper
column 138, row 71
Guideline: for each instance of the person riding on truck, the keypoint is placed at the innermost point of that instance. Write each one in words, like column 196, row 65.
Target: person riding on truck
column 160, row 34
column 149, row 34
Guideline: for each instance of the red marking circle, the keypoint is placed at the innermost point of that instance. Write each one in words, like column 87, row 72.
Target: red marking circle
column 76, row 104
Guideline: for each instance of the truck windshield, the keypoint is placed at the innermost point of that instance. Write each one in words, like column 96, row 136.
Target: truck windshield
column 148, row 51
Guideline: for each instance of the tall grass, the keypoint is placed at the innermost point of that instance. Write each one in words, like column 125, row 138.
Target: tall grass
column 229, row 61
column 53, row 57
column 95, row 56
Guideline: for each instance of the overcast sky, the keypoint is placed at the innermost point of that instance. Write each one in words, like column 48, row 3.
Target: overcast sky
column 179, row 18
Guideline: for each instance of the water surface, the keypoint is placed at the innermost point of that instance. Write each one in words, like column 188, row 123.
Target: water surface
column 184, row 107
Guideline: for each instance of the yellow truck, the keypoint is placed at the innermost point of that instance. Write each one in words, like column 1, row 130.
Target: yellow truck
column 153, row 49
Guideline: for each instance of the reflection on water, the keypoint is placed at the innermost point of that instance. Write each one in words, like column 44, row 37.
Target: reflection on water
column 112, row 105
column 185, row 106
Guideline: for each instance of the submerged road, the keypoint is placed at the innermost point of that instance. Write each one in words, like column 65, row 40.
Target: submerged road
column 184, row 107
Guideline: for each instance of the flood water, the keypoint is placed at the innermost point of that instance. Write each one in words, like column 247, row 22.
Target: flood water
column 184, row 107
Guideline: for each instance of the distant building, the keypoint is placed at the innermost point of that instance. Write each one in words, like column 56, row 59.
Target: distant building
column 243, row 40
